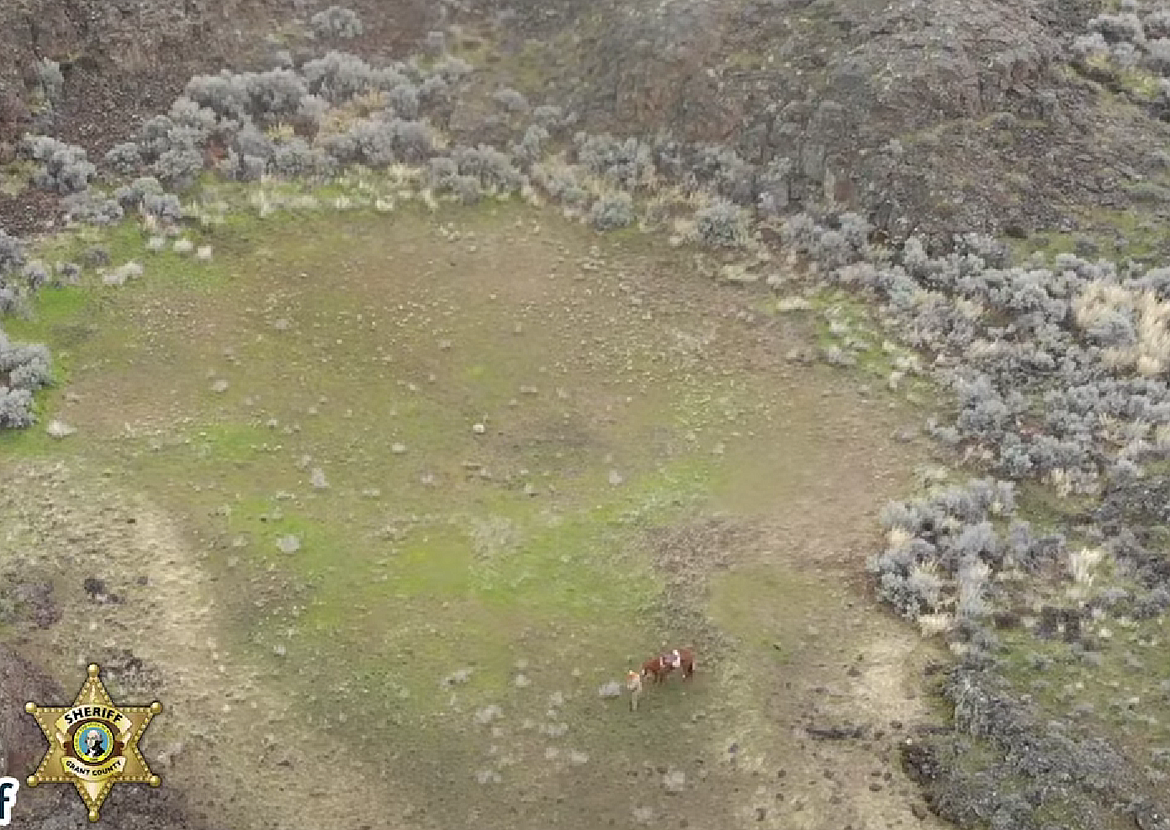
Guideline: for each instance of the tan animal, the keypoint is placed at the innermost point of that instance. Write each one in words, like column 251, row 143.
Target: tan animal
column 634, row 685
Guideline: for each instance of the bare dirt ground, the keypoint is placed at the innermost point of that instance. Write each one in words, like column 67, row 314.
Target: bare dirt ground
column 805, row 687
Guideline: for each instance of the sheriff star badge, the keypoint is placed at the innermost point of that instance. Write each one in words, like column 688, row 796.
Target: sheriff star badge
column 93, row 744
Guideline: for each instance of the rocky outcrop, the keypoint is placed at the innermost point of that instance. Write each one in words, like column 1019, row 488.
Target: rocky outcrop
column 944, row 116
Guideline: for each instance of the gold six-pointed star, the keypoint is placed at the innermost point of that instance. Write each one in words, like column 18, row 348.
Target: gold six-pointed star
column 93, row 744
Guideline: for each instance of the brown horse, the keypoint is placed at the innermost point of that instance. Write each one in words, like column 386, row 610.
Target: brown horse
column 661, row 665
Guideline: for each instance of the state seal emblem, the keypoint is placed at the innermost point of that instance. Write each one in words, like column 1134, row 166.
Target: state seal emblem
column 93, row 744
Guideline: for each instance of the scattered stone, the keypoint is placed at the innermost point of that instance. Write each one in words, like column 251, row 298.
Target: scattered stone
column 615, row 478
column 219, row 386
column 836, row 356
column 611, row 689
column 488, row 714
column 203, row 253
column 317, row 479
column 59, row 429
column 122, row 273
column 488, row 776
column 674, row 781
column 786, row 304
column 156, row 243
column 521, row 681
column 643, row 815
column 479, row 429
column 398, row 449
column 183, row 246
column 288, row 544
column 457, row 677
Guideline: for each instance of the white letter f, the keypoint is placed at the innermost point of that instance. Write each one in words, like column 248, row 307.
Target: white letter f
column 8, row 789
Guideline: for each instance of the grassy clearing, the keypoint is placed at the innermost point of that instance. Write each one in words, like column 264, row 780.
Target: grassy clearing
column 321, row 380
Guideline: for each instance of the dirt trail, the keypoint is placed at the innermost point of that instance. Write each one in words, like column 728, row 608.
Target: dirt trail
column 824, row 688
column 224, row 732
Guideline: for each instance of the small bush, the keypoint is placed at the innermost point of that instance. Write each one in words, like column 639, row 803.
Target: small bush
column 16, row 408
column 1119, row 28
column 274, row 95
column 435, row 43
column 466, row 189
column 35, row 274
column 1157, row 55
column 337, row 22
column 627, row 164
column 93, row 208
column 434, row 91
column 511, row 100
column 492, row 168
column 11, row 254
column 1156, row 24
column 404, row 100
column 560, row 182
column 164, row 206
column 530, row 148
column 124, row 159
column 721, row 224
column 612, row 211
column 338, row 77
column 224, row 95
column 722, row 170
column 453, row 69
column 26, row 366
column 441, row 170
column 297, row 159
column 1092, row 46
column 63, row 167
column 310, row 113
column 179, row 167
column 130, row 196
column 50, row 80
column 379, row 143
column 549, row 116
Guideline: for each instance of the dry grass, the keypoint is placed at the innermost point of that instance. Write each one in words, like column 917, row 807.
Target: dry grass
column 1083, row 566
column 1150, row 354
